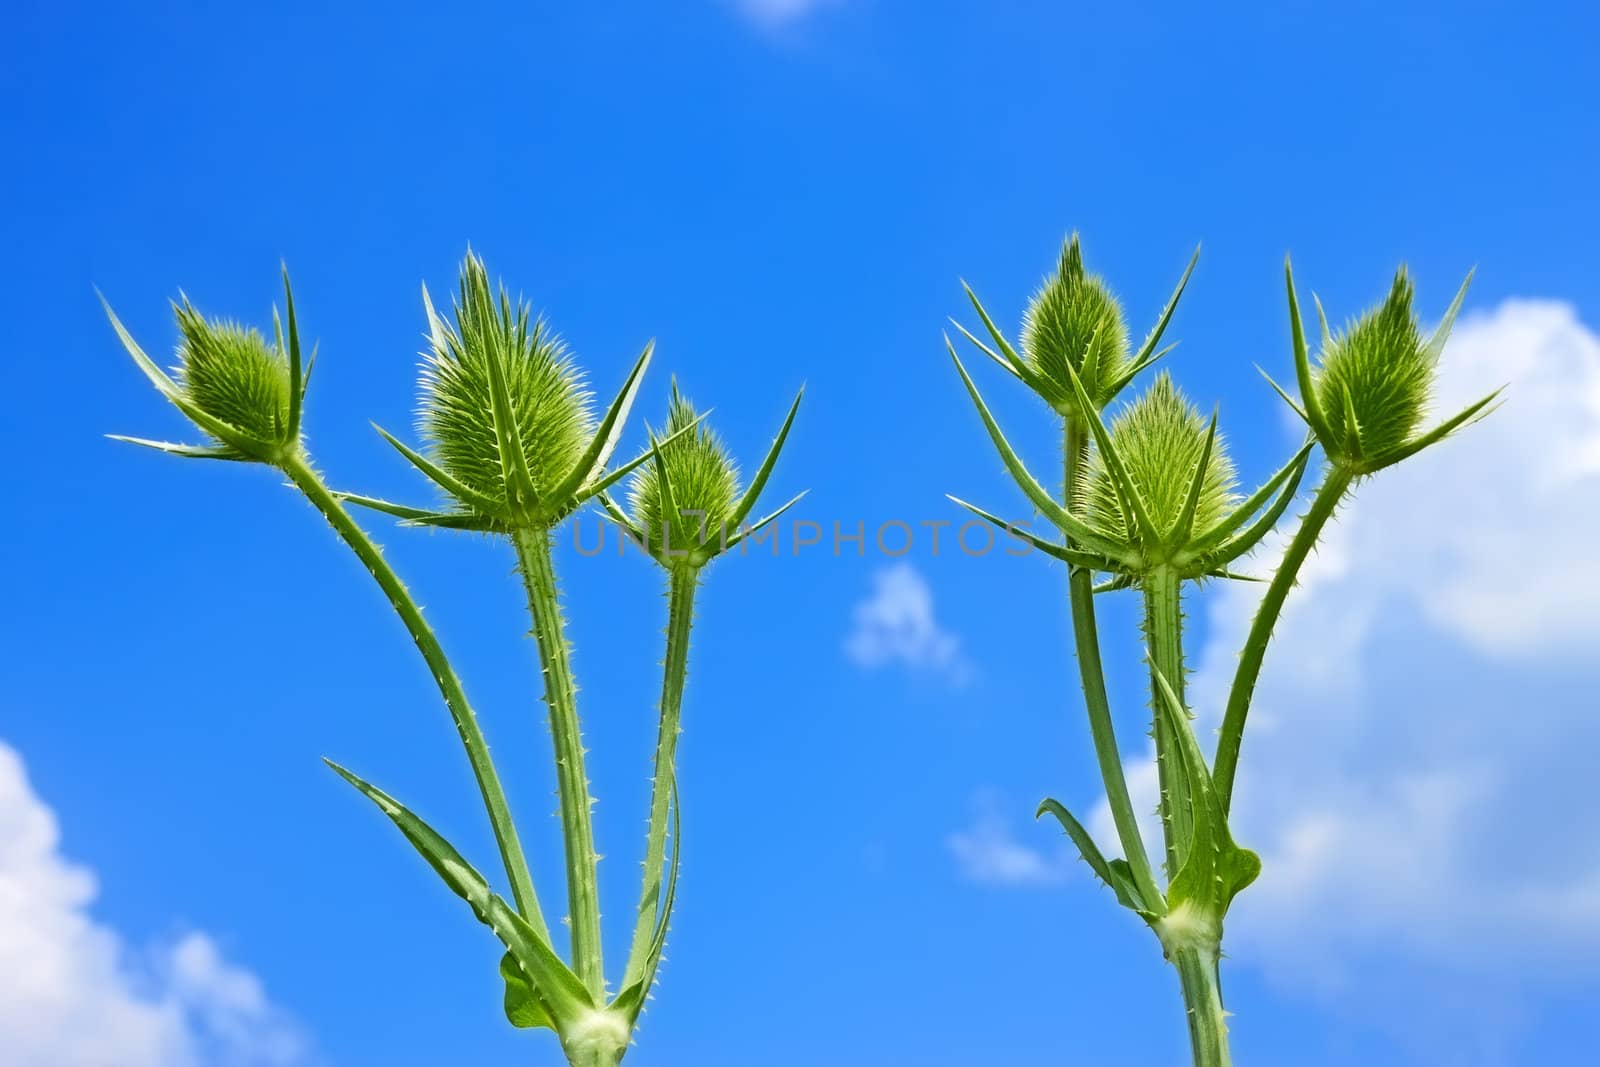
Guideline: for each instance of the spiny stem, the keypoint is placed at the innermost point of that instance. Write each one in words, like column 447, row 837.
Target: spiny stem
column 455, row 698
column 1163, row 630
column 583, row 894
column 1202, row 999
column 1080, row 585
column 680, row 619
column 1335, row 483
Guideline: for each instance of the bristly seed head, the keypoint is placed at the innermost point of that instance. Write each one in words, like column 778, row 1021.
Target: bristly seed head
column 1072, row 311
column 232, row 373
column 1379, row 371
column 1160, row 437
column 702, row 477
column 546, row 388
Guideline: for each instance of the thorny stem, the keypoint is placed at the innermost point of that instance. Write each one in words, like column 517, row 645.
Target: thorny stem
column 1202, row 999
column 680, row 619
column 1335, row 483
column 1163, row 630
column 583, row 896
column 494, row 799
column 1080, row 585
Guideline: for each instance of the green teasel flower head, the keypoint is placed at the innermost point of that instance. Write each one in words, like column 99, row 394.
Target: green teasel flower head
column 686, row 505
column 507, row 418
column 1074, row 321
column 1074, row 326
column 1161, row 437
column 496, row 347
column 1159, row 491
column 245, row 393
column 1369, row 390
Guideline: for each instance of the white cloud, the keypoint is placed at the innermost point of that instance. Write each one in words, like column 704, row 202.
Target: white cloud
column 72, row 994
column 780, row 12
column 988, row 851
column 1417, row 769
column 896, row 624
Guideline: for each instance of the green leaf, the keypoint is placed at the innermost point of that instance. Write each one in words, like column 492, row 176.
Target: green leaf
column 1289, row 472
column 1214, row 868
column 759, row 482
column 1302, row 358
column 521, row 1001
column 606, row 435
column 436, row 474
column 764, row 521
column 1470, row 414
column 513, row 460
column 1120, row 882
column 986, row 350
column 1246, row 541
column 296, row 375
column 630, row 1001
column 1294, row 405
column 1441, row 334
column 1185, row 524
column 1073, row 527
column 1018, row 367
column 190, row 451
column 563, row 994
column 1061, row 552
column 1133, row 504
column 1143, row 358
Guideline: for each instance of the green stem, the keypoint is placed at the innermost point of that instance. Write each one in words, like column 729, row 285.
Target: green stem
column 1086, row 636
column 680, row 619
column 494, row 798
column 1163, row 630
column 583, row 894
column 1334, row 486
column 1202, row 999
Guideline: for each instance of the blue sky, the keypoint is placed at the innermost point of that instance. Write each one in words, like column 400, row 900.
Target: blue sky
column 786, row 192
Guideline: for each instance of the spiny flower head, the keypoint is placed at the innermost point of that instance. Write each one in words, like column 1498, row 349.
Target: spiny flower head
column 701, row 493
column 1365, row 398
column 231, row 372
column 553, row 419
column 1374, row 379
column 1074, row 321
column 1160, row 437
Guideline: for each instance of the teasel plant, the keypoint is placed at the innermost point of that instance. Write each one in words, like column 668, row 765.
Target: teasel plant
column 512, row 446
column 1149, row 503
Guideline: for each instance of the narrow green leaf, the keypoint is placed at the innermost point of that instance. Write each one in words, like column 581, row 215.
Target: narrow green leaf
column 1302, row 358
column 1061, row 552
column 1294, row 405
column 1441, row 334
column 1126, row 892
column 1184, row 527
column 190, row 451
column 1246, row 541
column 1132, row 502
column 606, row 435
column 986, row 350
column 759, row 482
column 1154, row 337
column 1135, row 370
column 1073, row 527
column 1352, row 427
column 508, row 434
column 522, row 1006
column 436, row 474
column 630, row 1001
column 296, row 377
column 563, row 994
column 763, row 522
column 1018, row 367
column 1470, row 414
column 611, row 478
column 1225, row 526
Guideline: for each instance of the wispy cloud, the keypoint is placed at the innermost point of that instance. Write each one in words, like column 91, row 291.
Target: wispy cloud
column 72, row 993
column 1416, row 772
column 780, row 12
column 897, row 624
column 989, row 851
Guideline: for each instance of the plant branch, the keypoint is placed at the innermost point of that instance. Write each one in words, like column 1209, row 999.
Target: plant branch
column 1080, row 585
column 680, row 619
column 494, row 800
column 1335, row 483
column 560, row 696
